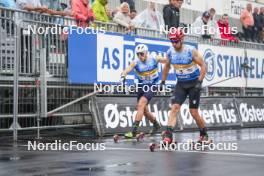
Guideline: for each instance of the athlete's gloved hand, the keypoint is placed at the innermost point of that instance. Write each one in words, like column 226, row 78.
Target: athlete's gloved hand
column 162, row 86
column 123, row 79
column 198, row 85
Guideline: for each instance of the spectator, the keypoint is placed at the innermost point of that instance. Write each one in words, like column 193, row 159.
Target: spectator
column 261, row 14
column 8, row 4
column 100, row 10
column 212, row 17
column 82, row 12
column 203, row 27
column 149, row 18
column 67, row 9
column 224, row 29
column 257, row 24
column 54, row 7
column 111, row 14
column 212, row 14
column 32, row 5
column 133, row 14
column 122, row 17
column 171, row 14
column 130, row 2
column 247, row 21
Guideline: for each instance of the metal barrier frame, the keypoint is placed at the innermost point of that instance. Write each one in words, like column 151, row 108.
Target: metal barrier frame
column 14, row 18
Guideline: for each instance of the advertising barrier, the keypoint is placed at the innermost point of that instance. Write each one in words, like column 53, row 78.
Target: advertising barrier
column 224, row 63
column 251, row 111
column 117, row 113
column 215, row 111
column 101, row 57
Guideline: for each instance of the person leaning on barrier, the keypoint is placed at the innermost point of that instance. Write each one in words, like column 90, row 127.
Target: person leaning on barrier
column 122, row 17
column 224, row 29
column 54, row 7
column 100, row 10
column 247, row 21
column 32, row 5
column 131, row 3
column 133, row 14
column 82, row 12
column 202, row 27
column 67, row 9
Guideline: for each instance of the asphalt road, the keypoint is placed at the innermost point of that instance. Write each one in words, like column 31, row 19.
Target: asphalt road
column 134, row 158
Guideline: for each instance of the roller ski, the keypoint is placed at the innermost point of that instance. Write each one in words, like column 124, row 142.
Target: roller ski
column 167, row 141
column 129, row 137
column 202, row 143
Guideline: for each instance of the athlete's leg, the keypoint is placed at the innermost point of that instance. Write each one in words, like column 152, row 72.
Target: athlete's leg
column 200, row 123
column 152, row 119
column 168, row 135
column 198, row 119
column 180, row 95
column 194, row 101
column 149, row 115
column 141, row 106
column 142, row 103
column 175, row 108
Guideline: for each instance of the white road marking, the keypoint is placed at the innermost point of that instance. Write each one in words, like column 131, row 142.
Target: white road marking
column 183, row 151
column 189, row 151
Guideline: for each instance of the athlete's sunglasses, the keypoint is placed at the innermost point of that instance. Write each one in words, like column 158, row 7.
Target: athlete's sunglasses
column 140, row 54
column 175, row 41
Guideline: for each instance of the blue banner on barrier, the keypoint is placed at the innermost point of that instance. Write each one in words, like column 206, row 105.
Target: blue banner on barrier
column 101, row 57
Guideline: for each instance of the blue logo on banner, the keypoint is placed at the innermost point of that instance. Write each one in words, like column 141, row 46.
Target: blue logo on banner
column 209, row 59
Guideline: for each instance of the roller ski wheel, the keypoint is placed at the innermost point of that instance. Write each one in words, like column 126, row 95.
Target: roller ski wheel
column 140, row 136
column 116, row 138
column 154, row 146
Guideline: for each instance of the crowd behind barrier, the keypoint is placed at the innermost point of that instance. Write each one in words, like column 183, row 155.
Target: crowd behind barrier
column 14, row 22
column 32, row 49
column 148, row 15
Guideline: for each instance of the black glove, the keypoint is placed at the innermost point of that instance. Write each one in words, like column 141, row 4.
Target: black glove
column 123, row 79
column 198, row 85
column 161, row 86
